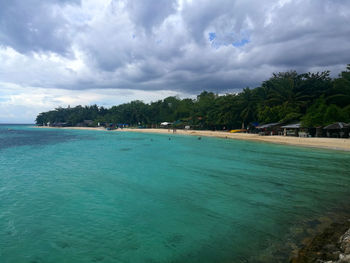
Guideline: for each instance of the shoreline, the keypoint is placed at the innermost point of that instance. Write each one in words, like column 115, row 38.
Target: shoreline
column 321, row 143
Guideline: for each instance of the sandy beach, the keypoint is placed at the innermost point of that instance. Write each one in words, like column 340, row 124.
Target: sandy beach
column 325, row 143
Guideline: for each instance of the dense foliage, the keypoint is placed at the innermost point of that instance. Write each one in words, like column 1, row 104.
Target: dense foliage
column 313, row 98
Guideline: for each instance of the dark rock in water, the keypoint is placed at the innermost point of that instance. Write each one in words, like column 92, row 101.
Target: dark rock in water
column 330, row 246
column 314, row 223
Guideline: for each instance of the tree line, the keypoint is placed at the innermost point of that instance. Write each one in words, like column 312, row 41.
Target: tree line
column 315, row 99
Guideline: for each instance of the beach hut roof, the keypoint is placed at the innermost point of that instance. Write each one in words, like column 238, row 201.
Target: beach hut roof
column 165, row 123
column 292, row 126
column 336, row 126
column 268, row 125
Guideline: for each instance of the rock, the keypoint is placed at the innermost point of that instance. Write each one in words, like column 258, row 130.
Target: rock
column 336, row 254
column 345, row 242
column 344, row 258
column 330, row 246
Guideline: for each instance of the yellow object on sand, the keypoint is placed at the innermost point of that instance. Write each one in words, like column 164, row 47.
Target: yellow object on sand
column 238, row 130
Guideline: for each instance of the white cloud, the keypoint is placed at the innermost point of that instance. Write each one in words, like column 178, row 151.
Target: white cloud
column 22, row 104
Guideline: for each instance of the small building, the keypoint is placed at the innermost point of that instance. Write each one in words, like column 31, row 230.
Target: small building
column 122, row 125
column 60, row 124
column 269, row 128
column 88, row 122
column 337, row 130
column 291, row 129
column 318, row 131
column 166, row 124
column 85, row 123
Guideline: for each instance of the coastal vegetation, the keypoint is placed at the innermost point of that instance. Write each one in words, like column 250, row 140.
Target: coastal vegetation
column 315, row 99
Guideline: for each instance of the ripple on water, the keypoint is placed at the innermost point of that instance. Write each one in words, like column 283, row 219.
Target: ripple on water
column 74, row 195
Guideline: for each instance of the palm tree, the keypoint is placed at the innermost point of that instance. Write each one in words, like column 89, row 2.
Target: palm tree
column 247, row 102
column 283, row 90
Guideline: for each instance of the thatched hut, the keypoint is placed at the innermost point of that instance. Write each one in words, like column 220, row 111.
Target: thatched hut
column 338, row 130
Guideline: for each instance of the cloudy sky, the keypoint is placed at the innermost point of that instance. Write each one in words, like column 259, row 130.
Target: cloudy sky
column 69, row 52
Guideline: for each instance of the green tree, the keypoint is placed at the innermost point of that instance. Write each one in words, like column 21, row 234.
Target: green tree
column 247, row 103
column 333, row 114
column 314, row 116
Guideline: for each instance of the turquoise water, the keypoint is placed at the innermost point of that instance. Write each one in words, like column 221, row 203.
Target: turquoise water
column 96, row 196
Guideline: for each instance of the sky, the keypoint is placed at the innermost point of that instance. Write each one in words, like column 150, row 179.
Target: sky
column 107, row 52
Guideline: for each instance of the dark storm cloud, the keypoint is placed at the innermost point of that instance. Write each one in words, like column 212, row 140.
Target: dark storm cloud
column 150, row 13
column 315, row 34
column 180, row 45
column 34, row 25
column 225, row 17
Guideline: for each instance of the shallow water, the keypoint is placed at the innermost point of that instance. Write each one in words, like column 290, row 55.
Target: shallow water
column 96, row 196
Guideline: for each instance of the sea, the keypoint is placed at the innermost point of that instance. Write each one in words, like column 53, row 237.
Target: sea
column 104, row 196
